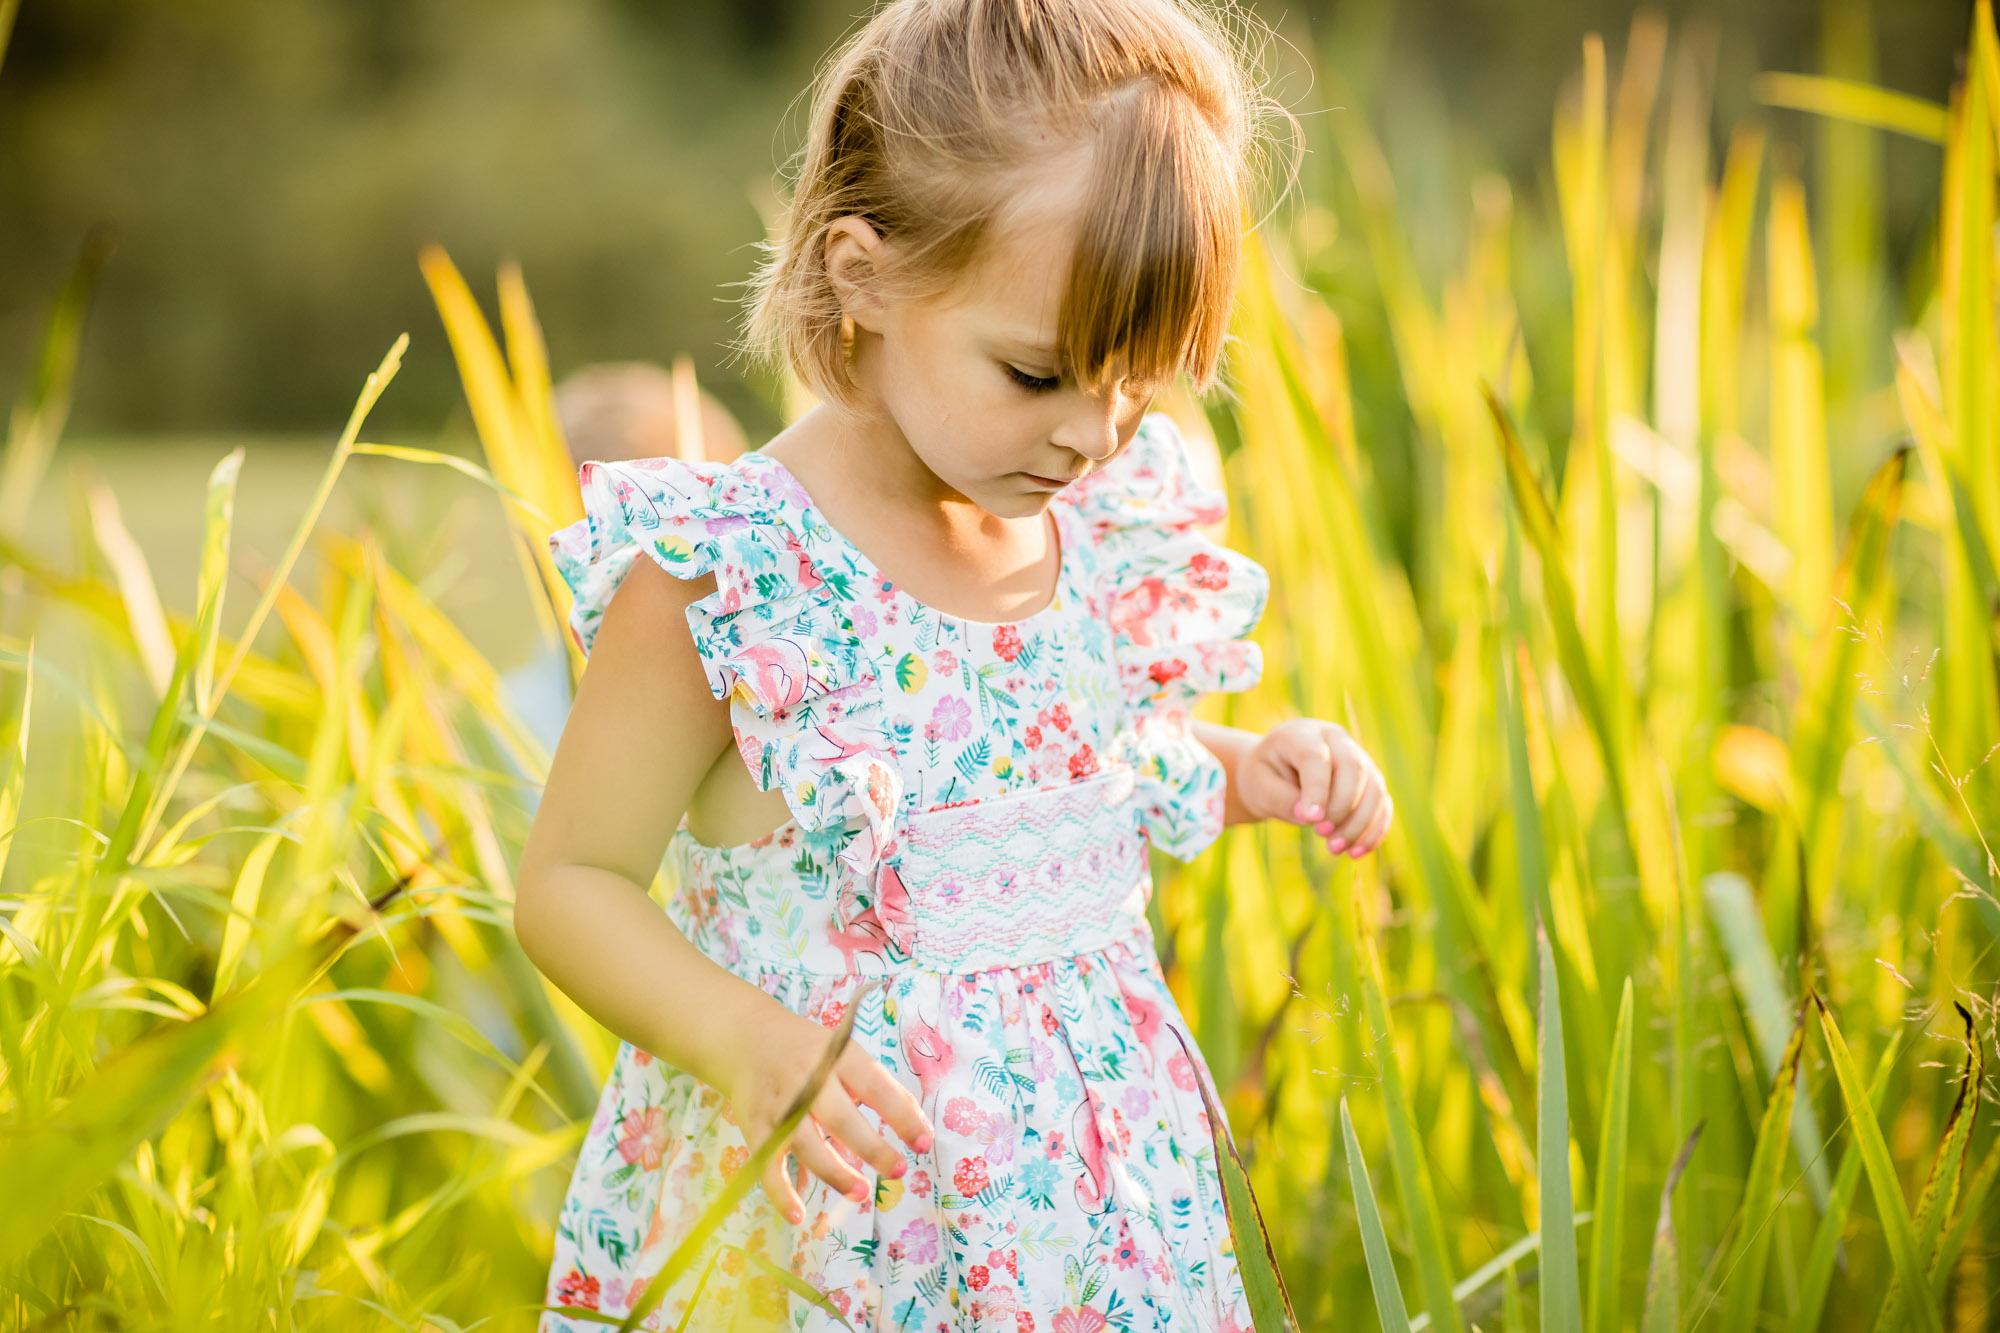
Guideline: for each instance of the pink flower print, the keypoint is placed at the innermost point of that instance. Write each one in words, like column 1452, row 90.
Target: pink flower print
column 970, row 1176
column 1125, row 1254
column 997, row 1133
column 961, row 1115
column 1049, row 1021
column 1082, row 764
column 733, row 1159
column 1133, row 611
column 933, row 733
column 1060, row 716
column 977, row 1277
column 929, row 1054
column 1055, row 1145
column 864, row 620
column 885, row 591
column 1093, row 1187
column 1181, row 1071
column 1032, row 737
column 919, row 1242
column 944, row 662
column 1024, row 1322
column 953, row 717
column 1138, row 1101
column 1144, row 1015
column 1171, row 669
column 777, row 672
column 919, row 1183
column 1205, row 571
column 808, row 574
column 1077, row 1319
column 1123, row 1134
column 1007, row 642
column 645, row 1137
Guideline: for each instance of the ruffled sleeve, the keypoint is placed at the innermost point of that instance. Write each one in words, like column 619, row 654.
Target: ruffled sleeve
column 804, row 701
column 1179, row 606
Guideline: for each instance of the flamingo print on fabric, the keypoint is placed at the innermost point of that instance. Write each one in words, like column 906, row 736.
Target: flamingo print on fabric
column 971, row 805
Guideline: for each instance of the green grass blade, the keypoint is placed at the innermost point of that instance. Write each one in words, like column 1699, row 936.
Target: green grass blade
column 1971, row 1208
column 1662, row 1312
column 1562, row 1297
column 1389, row 1309
column 1493, row 1270
column 1256, row 1263
column 1743, row 1273
column 1607, row 1249
column 1881, row 1169
column 1753, row 971
column 43, row 411
column 1817, row 1276
column 1538, row 520
column 51, row 1167
column 1946, row 1175
column 1406, row 1155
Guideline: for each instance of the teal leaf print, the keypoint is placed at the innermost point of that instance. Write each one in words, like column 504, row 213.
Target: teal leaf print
column 973, row 759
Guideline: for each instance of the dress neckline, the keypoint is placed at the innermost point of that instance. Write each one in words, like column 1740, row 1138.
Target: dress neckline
column 1065, row 535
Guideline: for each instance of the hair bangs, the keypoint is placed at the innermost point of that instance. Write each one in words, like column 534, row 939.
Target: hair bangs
column 1153, row 273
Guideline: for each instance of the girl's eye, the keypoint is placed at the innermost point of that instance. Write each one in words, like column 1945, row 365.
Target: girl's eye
column 1033, row 383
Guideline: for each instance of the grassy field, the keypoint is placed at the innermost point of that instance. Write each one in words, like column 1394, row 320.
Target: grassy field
column 1649, row 543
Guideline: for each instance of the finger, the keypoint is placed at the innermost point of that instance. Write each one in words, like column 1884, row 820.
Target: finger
column 1348, row 788
column 1312, row 759
column 1366, row 805
column 872, row 1085
column 817, row 1156
column 838, row 1116
column 778, row 1188
column 1377, row 831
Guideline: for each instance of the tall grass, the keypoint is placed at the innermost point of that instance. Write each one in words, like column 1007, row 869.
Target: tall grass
column 1668, row 1005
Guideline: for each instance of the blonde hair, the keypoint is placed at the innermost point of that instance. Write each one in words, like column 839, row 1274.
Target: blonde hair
column 926, row 122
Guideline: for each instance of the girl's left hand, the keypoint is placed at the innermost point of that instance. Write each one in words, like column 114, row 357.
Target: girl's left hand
column 1311, row 772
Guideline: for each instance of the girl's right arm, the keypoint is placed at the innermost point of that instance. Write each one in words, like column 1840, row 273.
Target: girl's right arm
column 643, row 733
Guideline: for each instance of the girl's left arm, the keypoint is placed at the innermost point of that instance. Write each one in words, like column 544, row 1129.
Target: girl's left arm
column 1304, row 772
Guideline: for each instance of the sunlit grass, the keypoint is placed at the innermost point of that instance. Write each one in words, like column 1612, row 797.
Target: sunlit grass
column 1684, row 686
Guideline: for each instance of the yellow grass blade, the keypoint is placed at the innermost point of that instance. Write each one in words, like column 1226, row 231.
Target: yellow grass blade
column 1860, row 103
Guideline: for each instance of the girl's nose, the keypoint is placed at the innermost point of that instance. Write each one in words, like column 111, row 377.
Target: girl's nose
column 1092, row 430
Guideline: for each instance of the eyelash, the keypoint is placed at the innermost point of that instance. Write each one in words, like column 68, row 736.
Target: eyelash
column 1033, row 383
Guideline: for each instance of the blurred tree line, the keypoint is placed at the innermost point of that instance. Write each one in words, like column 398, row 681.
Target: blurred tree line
column 270, row 167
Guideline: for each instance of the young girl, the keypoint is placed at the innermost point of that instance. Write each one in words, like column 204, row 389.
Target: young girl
column 905, row 698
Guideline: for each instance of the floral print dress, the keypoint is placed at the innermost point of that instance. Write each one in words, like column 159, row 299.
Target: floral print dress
column 971, row 805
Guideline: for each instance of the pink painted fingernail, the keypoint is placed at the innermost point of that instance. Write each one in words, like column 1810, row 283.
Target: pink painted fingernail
column 899, row 1170
column 1336, row 845
column 1324, row 828
column 924, row 1141
column 1315, row 813
column 795, row 1216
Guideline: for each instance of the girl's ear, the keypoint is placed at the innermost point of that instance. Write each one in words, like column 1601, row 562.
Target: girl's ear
column 855, row 253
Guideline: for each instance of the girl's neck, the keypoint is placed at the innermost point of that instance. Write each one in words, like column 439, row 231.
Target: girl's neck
column 941, row 548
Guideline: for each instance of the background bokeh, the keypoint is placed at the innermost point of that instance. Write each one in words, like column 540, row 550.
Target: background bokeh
column 271, row 169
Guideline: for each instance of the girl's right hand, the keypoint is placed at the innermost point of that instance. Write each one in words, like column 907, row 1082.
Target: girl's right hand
column 779, row 1057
